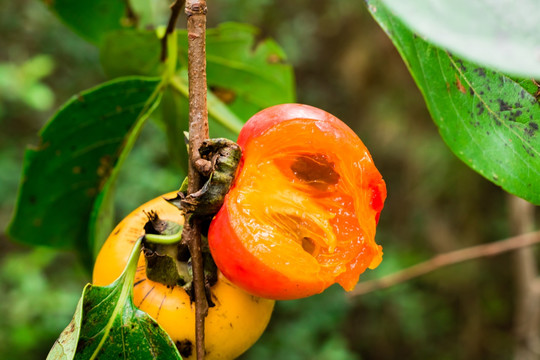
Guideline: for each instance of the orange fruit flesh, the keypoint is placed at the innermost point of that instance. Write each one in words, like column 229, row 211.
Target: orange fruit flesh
column 312, row 201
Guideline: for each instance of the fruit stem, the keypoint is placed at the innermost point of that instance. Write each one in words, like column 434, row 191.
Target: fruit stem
column 164, row 239
column 198, row 132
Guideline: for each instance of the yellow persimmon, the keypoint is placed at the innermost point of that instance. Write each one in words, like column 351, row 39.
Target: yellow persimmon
column 232, row 326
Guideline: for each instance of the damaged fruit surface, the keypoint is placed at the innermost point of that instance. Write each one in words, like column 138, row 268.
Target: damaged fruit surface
column 303, row 210
column 235, row 322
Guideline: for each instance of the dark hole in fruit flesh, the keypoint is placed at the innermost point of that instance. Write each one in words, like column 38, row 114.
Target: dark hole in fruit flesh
column 315, row 169
column 308, row 245
column 294, row 225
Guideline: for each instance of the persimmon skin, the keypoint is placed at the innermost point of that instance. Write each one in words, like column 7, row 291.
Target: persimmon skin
column 231, row 327
column 249, row 273
column 345, row 204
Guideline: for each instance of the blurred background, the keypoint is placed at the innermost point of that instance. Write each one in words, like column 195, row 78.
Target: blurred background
column 345, row 65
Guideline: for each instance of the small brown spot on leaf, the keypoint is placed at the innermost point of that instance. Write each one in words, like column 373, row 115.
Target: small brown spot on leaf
column 460, row 86
column 76, row 170
column 223, row 94
column 480, row 106
column 105, row 166
column 529, row 150
column 480, row 71
column 274, row 59
column 503, row 105
column 532, row 129
column 460, row 63
column 42, row 146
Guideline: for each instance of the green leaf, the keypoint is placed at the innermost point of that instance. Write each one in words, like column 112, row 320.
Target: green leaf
column 101, row 221
column 494, row 33
column 529, row 85
column 91, row 19
column 245, row 76
column 81, row 148
column 222, row 121
column 131, row 52
column 489, row 121
column 174, row 120
column 107, row 325
column 102, row 216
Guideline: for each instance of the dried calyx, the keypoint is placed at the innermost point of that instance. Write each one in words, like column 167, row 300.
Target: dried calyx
column 224, row 157
column 170, row 264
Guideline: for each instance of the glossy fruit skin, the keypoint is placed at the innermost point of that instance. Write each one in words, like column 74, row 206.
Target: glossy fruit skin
column 303, row 210
column 231, row 327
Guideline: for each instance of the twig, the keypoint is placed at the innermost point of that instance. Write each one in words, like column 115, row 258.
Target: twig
column 131, row 15
column 527, row 310
column 446, row 259
column 198, row 131
column 175, row 12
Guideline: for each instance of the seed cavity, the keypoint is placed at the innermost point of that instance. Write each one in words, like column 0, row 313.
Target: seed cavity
column 309, row 246
column 315, row 169
column 313, row 234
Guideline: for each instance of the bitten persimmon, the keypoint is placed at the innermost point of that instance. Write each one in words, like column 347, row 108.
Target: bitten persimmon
column 235, row 322
column 302, row 212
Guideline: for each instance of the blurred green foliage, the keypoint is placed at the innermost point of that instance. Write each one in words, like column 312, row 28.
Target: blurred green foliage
column 36, row 298
column 22, row 82
column 344, row 64
column 307, row 329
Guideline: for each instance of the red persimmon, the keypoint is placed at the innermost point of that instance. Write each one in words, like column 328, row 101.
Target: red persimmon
column 302, row 212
